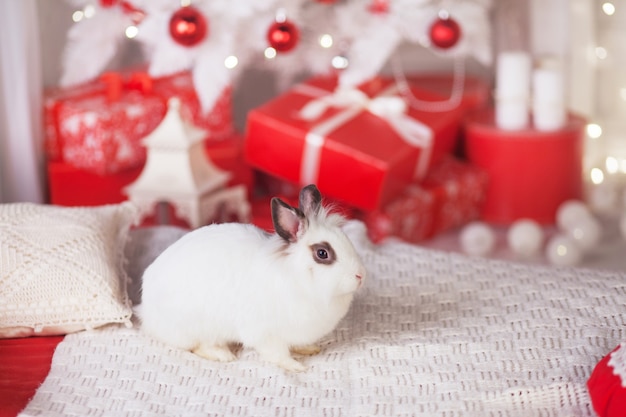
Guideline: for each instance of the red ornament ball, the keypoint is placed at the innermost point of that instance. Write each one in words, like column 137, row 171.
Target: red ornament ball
column 188, row 27
column 379, row 7
column 445, row 33
column 108, row 3
column 283, row 36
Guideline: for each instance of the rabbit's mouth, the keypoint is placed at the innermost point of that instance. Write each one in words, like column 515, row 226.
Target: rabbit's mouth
column 358, row 283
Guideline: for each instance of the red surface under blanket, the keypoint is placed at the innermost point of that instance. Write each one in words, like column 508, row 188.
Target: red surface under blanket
column 24, row 364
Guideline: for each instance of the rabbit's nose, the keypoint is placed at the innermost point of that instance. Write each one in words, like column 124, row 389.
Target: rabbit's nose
column 359, row 278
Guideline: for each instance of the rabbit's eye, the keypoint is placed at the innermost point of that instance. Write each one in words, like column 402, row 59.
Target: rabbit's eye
column 323, row 253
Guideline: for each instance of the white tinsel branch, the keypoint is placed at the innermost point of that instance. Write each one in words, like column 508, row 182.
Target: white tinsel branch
column 410, row 20
column 239, row 28
column 92, row 42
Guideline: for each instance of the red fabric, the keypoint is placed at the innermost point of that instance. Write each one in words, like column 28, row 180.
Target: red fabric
column 364, row 162
column 608, row 396
column 24, row 364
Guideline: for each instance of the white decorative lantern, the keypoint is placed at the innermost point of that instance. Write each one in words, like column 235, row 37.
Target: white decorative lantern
column 179, row 172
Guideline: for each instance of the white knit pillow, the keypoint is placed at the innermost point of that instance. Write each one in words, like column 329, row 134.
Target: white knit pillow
column 62, row 268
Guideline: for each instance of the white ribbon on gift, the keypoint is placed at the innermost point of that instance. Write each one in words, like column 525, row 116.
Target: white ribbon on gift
column 387, row 105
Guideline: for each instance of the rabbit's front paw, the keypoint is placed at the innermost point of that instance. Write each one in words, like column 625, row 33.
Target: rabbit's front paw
column 220, row 353
column 279, row 354
column 307, row 350
column 291, row 365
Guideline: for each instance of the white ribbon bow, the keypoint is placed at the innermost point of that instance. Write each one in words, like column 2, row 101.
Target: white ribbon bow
column 382, row 106
column 386, row 105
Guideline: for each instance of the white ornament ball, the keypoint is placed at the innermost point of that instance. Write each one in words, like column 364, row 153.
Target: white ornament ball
column 561, row 250
column 586, row 233
column 604, row 198
column 525, row 238
column 570, row 213
column 477, row 239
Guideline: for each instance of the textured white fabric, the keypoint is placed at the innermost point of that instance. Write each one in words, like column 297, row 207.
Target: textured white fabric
column 430, row 334
column 62, row 268
column 617, row 361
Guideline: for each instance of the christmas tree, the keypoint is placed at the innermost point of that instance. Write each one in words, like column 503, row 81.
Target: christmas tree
column 218, row 39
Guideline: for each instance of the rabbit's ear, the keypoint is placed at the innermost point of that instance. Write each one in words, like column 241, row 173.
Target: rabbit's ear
column 287, row 220
column 310, row 200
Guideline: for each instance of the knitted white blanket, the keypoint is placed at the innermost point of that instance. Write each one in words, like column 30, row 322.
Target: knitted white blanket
column 430, row 334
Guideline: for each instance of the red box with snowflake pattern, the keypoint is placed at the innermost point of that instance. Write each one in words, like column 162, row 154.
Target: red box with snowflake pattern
column 452, row 194
column 99, row 126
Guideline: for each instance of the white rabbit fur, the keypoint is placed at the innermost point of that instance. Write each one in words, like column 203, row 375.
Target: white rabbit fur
column 231, row 283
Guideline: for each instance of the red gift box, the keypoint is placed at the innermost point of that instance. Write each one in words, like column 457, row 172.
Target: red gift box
column 98, row 126
column 71, row 186
column 451, row 195
column 476, row 93
column 268, row 185
column 53, row 99
column 355, row 151
column 104, row 136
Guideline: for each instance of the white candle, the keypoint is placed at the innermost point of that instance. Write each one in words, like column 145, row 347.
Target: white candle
column 548, row 99
column 512, row 90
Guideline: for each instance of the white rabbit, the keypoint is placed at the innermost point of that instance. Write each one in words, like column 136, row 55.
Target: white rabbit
column 235, row 283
